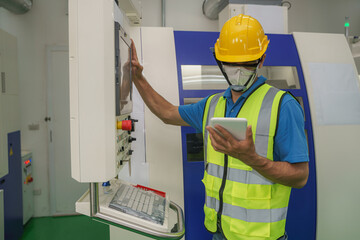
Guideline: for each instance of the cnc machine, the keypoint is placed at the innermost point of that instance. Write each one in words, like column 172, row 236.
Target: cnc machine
column 101, row 125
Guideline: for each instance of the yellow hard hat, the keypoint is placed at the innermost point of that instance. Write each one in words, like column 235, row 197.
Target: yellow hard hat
column 242, row 39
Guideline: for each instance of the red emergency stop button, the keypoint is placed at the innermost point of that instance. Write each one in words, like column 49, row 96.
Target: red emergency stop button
column 125, row 125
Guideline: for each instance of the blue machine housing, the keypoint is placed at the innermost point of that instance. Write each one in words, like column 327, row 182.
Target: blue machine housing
column 193, row 48
column 12, row 186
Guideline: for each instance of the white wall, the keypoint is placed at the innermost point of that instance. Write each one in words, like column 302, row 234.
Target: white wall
column 184, row 15
column 46, row 24
column 326, row 16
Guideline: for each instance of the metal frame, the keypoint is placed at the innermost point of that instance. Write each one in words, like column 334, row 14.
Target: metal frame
column 95, row 212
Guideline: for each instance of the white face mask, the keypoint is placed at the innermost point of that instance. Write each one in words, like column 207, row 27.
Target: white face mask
column 240, row 77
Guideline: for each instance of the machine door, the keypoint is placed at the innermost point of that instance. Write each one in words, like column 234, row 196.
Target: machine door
column 199, row 77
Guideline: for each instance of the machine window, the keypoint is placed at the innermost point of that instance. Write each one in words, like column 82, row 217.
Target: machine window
column 283, row 77
column 191, row 100
column 199, row 77
column 202, row 77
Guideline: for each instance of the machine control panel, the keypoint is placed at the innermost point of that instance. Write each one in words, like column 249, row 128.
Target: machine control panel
column 102, row 61
column 27, row 186
column 123, row 96
column 27, row 171
column 125, row 125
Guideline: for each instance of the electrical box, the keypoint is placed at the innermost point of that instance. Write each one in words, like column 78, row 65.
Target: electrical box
column 100, row 90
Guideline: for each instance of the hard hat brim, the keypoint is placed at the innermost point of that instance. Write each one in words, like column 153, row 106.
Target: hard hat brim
column 239, row 58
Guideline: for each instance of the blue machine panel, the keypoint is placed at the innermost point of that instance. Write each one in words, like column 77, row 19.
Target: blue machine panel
column 11, row 183
column 192, row 48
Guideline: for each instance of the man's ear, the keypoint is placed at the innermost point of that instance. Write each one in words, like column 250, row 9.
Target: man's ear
column 262, row 61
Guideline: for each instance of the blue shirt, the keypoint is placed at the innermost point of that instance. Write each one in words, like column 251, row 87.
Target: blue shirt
column 290, row 143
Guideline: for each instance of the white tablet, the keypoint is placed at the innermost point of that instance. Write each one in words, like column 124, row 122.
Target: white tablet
column 236, row 126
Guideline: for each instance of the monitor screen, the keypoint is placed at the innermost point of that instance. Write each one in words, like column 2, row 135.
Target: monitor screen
column 123, row 72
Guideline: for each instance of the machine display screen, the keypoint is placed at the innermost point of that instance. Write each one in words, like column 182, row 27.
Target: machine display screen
column 123, row 72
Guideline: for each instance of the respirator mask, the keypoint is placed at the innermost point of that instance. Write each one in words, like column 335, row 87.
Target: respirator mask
column 240, row 78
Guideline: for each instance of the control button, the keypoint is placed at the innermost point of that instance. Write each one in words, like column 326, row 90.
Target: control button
column 130, row 152
column 131, row 139
column 126, row 125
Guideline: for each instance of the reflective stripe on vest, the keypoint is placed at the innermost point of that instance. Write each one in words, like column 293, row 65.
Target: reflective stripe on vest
column 213, row 101
column 262, row 131
column 248, row 215
column 238, row 175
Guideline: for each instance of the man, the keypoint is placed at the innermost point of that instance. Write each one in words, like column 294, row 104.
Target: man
column 247, row 182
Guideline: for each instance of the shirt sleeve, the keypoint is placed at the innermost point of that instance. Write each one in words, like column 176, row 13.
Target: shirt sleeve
column 193, row 113
column 290, row 142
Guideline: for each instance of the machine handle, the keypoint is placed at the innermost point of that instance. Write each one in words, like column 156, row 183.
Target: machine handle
column 180, row 219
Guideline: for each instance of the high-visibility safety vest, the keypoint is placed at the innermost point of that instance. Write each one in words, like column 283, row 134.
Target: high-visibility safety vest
column 245, row 204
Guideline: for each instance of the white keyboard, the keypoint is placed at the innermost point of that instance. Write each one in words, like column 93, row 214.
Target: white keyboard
column 139, row 203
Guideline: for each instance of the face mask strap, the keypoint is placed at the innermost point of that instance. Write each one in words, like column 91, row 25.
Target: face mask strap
column 220, row 66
